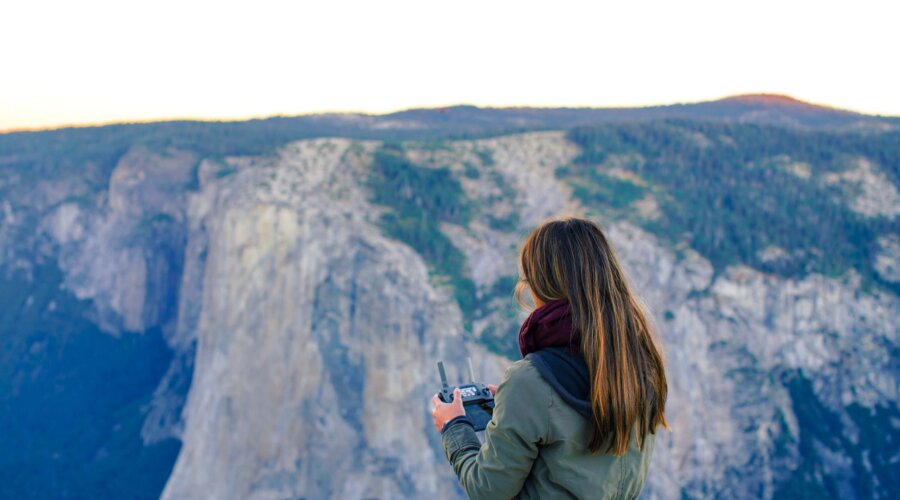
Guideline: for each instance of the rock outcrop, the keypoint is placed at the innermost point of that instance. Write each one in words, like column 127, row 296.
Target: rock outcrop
column 316, row 339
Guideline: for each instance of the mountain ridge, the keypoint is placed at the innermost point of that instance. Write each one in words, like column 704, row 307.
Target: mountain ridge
column 694, row 109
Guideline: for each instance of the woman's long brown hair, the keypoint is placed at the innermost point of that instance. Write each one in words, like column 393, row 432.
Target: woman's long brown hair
column 571, row 259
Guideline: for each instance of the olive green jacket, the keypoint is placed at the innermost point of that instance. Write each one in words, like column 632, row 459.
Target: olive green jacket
column 536, row 447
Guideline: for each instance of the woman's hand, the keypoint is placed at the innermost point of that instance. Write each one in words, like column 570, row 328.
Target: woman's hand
column 445, row 412
column 492, row 388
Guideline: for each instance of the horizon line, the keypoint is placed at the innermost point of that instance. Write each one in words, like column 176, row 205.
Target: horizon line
column 774, row 96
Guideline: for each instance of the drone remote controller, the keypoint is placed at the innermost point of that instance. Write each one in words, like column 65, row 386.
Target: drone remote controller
column 478, row 401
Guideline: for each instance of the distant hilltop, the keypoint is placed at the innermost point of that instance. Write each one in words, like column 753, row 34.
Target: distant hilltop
column 760, row 99
column 775, row 100
column 766, row 109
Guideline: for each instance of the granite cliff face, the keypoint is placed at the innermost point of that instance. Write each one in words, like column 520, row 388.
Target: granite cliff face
column 304, row 335
column 316, row 338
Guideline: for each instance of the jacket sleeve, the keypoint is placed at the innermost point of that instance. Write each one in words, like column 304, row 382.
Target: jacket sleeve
column 498, row 468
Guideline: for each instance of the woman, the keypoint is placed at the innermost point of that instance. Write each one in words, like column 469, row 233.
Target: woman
column 577, row 416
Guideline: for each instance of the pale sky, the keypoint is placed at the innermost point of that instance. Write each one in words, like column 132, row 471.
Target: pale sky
column 95, row 61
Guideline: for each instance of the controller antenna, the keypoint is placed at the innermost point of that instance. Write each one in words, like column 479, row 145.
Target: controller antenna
column 471, row 371
column 444, row 383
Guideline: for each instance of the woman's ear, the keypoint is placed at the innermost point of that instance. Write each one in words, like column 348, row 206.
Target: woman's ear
column 537, row 302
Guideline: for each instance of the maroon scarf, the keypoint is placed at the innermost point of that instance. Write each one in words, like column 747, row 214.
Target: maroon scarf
column 548, row 326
